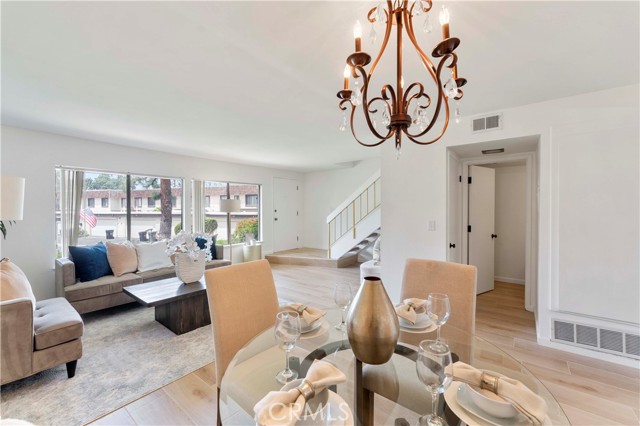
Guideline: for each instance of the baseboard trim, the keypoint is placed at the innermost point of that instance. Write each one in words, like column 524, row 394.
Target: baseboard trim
column 509, row 280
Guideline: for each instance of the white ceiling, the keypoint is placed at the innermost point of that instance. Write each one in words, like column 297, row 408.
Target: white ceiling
column 255, row 82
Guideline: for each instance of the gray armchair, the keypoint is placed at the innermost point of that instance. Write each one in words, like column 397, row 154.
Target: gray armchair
column 33, row 340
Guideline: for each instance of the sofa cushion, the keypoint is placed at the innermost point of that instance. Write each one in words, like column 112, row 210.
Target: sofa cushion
column 157, row 274
column 122, row 258
column 104, row 285
column 152, row 256
column 91, row 261
column 14, row 283
column 55, row 322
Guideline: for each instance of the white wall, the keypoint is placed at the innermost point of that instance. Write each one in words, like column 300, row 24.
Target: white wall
column 324, row 191
column 588, row 267
column 511, row 222
column 34, row 155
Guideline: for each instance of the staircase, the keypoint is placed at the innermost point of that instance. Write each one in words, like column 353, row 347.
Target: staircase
column 355, row 223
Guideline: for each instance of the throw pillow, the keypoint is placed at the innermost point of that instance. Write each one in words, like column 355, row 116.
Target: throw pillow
column 90, row 261
column 152, row 256
column 122, row 258
column 14, row 283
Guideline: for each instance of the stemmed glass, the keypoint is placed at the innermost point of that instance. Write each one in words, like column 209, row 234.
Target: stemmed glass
column 287, row 333
column 431, row 368
column 342, row 295
column 439, row 311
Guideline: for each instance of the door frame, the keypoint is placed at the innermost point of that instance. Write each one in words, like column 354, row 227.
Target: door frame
column 531, row 209
column 297, row 207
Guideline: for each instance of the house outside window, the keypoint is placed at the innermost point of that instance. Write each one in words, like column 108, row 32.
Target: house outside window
column 151, row 203
column 104, row 202
column 91, row 202
column 207, row 201
column 138, row 203
column 174, row 202
column 123, row 203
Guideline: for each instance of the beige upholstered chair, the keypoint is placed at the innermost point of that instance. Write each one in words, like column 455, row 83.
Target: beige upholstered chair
column 229, row 290
column 36, row 336
column 422, row 277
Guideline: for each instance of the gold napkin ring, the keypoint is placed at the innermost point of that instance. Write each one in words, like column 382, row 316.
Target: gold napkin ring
column 306, row 390
column 489, row 382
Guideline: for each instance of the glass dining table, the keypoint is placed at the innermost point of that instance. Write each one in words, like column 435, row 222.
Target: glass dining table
column 251, row 375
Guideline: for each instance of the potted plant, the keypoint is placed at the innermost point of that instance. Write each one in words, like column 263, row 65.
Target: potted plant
column 191, row 253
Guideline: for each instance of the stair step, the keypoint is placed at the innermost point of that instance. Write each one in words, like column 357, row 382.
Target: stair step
column 302, row 257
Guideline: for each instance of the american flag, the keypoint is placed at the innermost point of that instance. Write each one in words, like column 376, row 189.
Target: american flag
column 89, row 218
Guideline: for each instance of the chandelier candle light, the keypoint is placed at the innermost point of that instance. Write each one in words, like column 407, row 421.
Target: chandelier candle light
column 394, row 104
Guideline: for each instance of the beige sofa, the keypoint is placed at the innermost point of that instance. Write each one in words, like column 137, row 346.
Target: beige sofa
column 106, row 291
column 35, row 340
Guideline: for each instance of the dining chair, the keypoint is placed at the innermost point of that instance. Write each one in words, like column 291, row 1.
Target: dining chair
column 396, row 380
column 243, row 303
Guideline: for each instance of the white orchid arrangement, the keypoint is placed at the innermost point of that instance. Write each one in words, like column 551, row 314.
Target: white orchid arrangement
column 185, row 242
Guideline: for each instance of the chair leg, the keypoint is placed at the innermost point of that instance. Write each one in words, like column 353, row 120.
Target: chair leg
column 71, row 368
column 219, row 423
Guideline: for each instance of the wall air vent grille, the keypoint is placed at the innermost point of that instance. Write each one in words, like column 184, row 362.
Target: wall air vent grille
column 486, row 123
column 632, row 344
column 586, row 335
column 599, row 339
column 564, row 331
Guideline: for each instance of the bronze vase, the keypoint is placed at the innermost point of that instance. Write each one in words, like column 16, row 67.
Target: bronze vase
column 372, row 323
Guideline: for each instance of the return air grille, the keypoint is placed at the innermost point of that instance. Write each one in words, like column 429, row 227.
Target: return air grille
column 483, row 124
column 601, row 339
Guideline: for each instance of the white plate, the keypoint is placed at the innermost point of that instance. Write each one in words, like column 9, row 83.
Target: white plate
column 321, row 326
column 314, row 325
column 336, row 413
column 462, row 406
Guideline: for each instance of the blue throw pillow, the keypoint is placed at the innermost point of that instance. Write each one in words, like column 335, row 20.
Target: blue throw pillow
column 201, row 243
column 90, row 261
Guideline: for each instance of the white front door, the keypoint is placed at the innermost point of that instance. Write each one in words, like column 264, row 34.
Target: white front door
column 454, row 209
column 481, row 234
column 285, row 214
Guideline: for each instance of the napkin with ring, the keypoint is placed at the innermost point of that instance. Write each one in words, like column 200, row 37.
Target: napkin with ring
column 307, row 313
column 284, row 408
column 521, row 397
column 410, row 308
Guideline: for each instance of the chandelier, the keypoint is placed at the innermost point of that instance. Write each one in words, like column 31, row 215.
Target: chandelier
column 403, row 111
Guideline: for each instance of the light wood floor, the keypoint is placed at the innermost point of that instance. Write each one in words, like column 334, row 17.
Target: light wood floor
column 592, row 392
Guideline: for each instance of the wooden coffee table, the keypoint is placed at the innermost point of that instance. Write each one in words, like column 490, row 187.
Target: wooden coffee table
column 178, row 306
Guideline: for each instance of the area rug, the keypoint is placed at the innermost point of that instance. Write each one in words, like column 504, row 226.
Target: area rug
column 126, row 354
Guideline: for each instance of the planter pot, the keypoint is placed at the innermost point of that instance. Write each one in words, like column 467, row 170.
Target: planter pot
column 372, row 324
column 188, row 269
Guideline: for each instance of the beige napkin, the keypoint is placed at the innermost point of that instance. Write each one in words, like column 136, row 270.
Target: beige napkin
column 410, row 308
column 523, row 399
column 307, row 313
column 285, row 407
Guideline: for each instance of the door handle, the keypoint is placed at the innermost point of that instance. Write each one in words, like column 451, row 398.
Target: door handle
column 451, row 245
column 275, row 218
column 493, row 236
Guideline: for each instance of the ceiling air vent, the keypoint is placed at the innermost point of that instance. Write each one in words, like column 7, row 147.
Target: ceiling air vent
column 487, row 123
column 599, row 339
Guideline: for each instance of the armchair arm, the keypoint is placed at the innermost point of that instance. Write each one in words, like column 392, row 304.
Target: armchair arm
column 65, row 275
column 16, row 339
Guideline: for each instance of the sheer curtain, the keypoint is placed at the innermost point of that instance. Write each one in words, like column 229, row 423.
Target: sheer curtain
column 198, row 206
column 71, row 182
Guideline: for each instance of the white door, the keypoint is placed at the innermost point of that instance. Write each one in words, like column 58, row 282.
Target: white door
column 454, row 209
column 482, row 205
column 285, row 214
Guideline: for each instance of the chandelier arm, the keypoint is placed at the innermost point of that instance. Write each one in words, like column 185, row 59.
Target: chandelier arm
column 387, row 34
column 425, row 59
column 424, row 9
column 406, row 100
column 423, row 95
column 366, row 105
column 353, row 131
column 441, row 97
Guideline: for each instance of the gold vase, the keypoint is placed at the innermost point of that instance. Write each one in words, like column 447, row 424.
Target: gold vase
column 372, row 323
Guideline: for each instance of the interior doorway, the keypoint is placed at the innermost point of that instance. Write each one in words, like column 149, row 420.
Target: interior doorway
column 492, row 211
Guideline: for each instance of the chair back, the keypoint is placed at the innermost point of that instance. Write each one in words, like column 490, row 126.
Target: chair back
column 243, row 302
column 458, row 281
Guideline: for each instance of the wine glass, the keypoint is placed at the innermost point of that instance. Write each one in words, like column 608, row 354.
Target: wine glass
column 342, row 295
column 439, row 310
column 431, row 367
column 287, row 333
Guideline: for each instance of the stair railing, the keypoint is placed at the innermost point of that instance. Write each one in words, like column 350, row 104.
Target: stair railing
column 355, row 209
